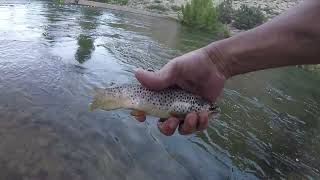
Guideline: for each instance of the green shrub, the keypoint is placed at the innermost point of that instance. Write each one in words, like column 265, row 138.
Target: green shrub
column 248, row 17
column 225, row 11
column 200, row 14
column 225, row 31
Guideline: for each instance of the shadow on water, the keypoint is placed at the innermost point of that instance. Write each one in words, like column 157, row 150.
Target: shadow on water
column 268, row 127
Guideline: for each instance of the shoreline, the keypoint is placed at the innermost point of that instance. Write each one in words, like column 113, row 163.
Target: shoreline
column 168, row 14
column 120, row 8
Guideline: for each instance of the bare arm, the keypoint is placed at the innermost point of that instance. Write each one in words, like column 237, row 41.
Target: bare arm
column 292, row 38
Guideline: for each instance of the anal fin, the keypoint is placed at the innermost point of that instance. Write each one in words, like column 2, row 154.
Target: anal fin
column 137, row 113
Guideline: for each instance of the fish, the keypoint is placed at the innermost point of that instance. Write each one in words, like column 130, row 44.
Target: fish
column 163, row 104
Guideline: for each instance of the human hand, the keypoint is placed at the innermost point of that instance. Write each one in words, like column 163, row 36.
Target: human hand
column 195, row 72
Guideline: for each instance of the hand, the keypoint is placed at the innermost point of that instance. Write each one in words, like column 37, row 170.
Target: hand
column 195, row 72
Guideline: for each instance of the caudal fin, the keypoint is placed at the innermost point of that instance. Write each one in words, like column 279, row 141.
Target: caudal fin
column 97, row 99
column 103, row 99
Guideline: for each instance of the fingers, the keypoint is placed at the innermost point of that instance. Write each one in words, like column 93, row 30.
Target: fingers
column 194, row 122
column 189, row 125
column 157, row 80
column 169, row 126
column 203, row 121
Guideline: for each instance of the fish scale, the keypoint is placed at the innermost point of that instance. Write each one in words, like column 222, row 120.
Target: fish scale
column 162, row 104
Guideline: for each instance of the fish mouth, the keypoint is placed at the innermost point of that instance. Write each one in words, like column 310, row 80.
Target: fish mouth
column 213, row 110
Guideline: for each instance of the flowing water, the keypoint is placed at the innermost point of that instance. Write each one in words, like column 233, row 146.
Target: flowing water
column 52, row 56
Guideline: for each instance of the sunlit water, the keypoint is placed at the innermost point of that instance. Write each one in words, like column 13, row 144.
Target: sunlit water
column 52, row 56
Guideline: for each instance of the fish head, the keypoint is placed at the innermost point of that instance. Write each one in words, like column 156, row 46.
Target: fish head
column 213, row 109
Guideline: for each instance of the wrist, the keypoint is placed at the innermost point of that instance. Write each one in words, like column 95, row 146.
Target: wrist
column 221, row 57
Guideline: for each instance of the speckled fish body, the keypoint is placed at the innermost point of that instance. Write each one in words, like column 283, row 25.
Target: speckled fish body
column 162, row 104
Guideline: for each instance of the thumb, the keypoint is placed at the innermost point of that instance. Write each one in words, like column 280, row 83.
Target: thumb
column 157, row 80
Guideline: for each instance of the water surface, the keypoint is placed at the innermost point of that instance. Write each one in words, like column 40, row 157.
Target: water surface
column 52, row 56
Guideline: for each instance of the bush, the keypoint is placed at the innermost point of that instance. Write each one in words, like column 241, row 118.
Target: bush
column 248, row 17
column 225, row 31
column 225, row 11
column 200, row 14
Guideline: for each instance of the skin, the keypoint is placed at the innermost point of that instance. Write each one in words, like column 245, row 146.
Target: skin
column 292, row 38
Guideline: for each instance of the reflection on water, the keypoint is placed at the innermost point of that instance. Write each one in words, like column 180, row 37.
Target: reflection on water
column 52, row 56
column 88, row 21
column 85, row 48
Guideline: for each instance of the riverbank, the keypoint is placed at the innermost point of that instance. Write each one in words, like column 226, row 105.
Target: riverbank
column 121, row 8
column 170, row 8
column 118, row 8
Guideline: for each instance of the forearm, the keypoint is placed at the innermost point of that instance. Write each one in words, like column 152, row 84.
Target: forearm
column 290, row 39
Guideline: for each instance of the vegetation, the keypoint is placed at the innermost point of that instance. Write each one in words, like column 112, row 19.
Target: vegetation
column 248, row 17
column 225, row 31
column 225, row 12
column 200, row 14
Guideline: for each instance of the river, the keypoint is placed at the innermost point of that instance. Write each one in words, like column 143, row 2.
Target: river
column 52, row 56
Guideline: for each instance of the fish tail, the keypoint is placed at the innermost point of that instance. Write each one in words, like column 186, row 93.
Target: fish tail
column 102, row 100
column 96, row 103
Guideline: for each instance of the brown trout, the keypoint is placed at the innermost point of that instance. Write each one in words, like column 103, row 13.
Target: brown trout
column 163, row 104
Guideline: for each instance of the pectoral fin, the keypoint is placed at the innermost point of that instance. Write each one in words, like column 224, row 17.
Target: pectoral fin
column 137, row 113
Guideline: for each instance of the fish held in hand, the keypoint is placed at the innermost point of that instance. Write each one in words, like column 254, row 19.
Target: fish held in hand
column 163, row 104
